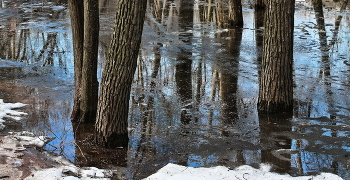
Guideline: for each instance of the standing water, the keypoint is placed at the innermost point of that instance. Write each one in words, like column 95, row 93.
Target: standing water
column 195, row 91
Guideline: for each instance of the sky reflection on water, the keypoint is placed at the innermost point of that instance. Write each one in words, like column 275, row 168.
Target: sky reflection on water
column 169, row 124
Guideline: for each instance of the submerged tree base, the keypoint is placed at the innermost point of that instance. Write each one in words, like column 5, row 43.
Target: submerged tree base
column 83, row 117
column 114, row 140
column 268, row 107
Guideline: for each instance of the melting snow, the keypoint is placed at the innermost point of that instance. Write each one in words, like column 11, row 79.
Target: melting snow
column 177, row 172
column 7, row 112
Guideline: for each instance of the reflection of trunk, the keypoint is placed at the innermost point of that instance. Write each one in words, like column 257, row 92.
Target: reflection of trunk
column 215, row 82
column 337, row 22
column 184, row 85
column 276, row 82
column 50, row 46
column 326, row 64
column 209, row 11
column 113, row 104
column 229, row 79
column 85, row 27
column 271, row 133
column 259, row 23
column 318, row 7
column 235, row 14
column 183, row 74
column 220, row 14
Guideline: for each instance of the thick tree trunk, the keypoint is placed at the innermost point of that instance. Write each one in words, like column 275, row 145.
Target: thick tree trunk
column 113, row 103
column 235, row 14
column 85, row 27
column 276, row 81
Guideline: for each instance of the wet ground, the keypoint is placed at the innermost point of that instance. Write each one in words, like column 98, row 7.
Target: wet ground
column 195, row 92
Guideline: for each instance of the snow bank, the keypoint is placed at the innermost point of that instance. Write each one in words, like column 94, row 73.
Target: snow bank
column 177, row 172
column 71, row 173
column 6, row 111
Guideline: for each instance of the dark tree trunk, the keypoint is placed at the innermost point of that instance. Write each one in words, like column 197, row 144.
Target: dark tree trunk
column 276, row 82
column 113, row 103
column 183, row 75
column 228, row 73
column 260, row 4
column 85, row 27
column 271, row 128
column 235, row 14
column 77, row 21
column 89, row 91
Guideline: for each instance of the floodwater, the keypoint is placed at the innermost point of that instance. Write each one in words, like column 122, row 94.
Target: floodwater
column 195, row 91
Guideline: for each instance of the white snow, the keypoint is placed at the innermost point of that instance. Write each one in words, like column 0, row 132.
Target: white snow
column 58, row 173
column 177, row 172
column 6, row 111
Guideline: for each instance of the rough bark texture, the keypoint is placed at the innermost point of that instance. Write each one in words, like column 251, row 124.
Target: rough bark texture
column 89, row 87
column 276, row 81
column 85, row 27
column 113, row 104
column 77, row 21
column 235, row 14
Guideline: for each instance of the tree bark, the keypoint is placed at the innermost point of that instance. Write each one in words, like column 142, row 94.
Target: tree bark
column 89, row 91
column 85, row 28
column 276, row 81
column 77, row 21
column 113, row 103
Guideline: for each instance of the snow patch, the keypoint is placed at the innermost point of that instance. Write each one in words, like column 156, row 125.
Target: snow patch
column 7, row 112
column 177, row 172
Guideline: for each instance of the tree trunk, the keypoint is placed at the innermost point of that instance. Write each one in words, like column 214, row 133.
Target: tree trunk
column 85, row 27
column 77, row 21
column 89, row 91
column 235, row 14
column 113, row 103
column 276, row 82
column 260, row 4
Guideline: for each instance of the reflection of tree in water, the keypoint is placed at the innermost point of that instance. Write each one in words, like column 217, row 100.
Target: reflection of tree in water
column 31, row 44
column 272, row 140
column 183, row 73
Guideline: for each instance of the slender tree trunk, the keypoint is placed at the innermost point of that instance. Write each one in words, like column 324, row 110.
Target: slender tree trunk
column 276, row 82
column 235, row 14
column 85, row 27
column 77, row 21
column 113, row 103
column 89, row 91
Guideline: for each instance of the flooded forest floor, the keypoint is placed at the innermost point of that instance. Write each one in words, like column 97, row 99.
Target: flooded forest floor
column 195, row 91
